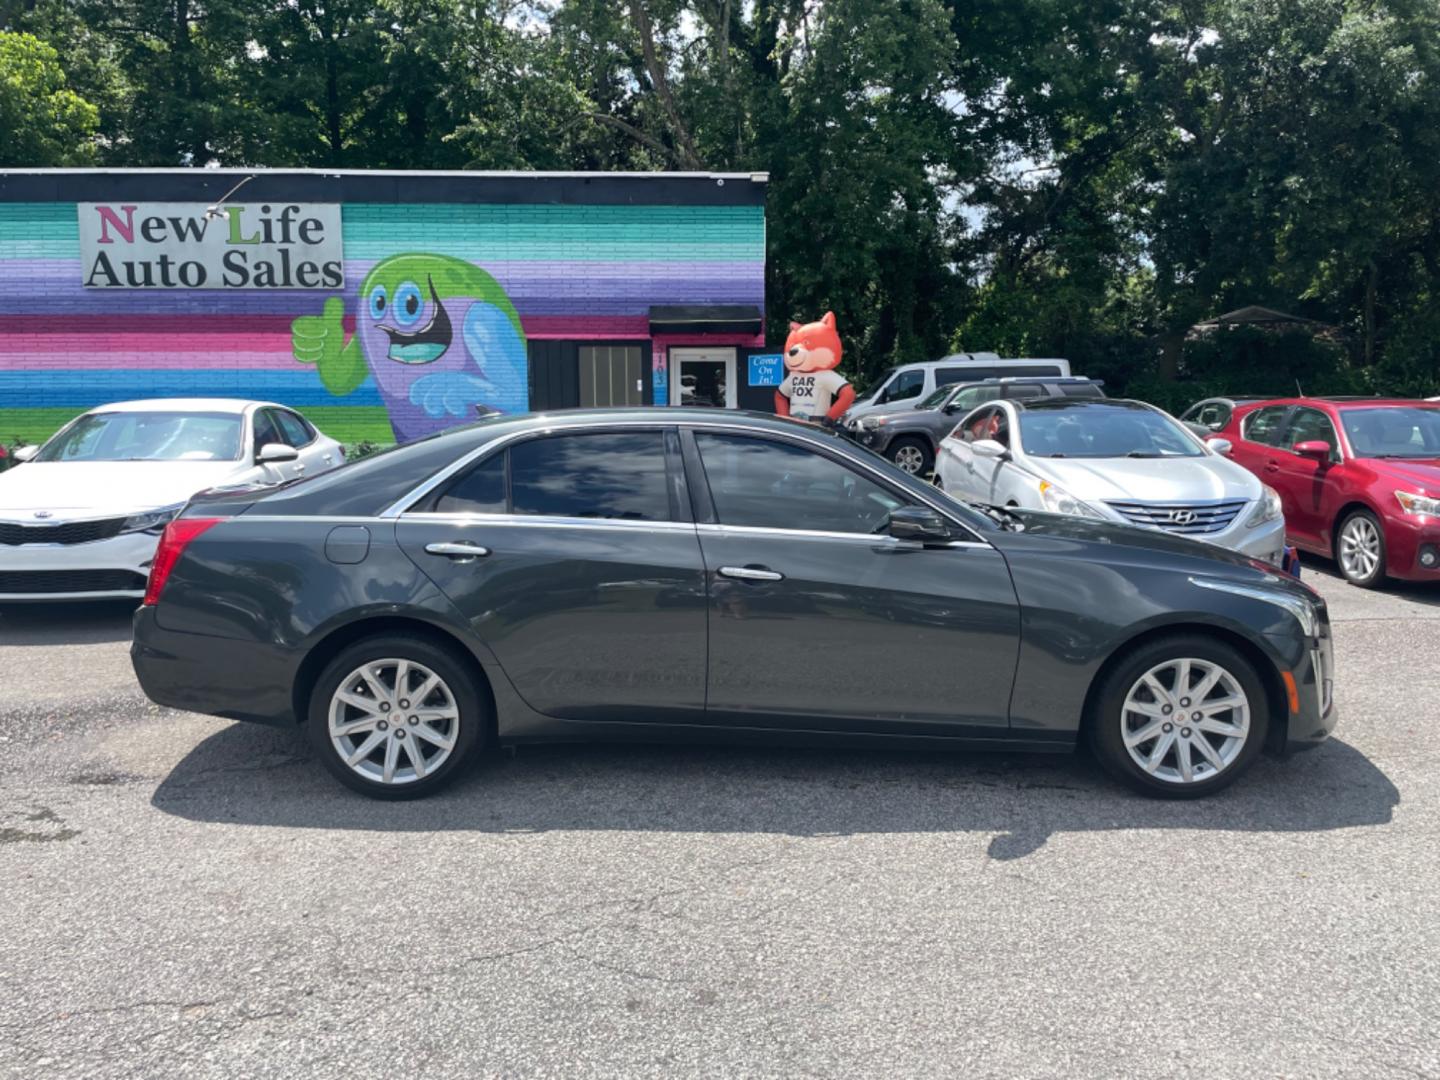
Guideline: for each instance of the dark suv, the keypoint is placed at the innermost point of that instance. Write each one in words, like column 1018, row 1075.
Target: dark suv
column 909, row 438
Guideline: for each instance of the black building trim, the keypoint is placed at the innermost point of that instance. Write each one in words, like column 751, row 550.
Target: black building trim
column 305, row 185
column 705, row 319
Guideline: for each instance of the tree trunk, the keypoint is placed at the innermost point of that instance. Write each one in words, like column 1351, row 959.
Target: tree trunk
column 1371, row 284
column 685, row 145
column 1171, row 346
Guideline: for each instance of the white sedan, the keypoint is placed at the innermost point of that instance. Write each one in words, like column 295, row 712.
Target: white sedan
column 81, row 517
column 1114, row 460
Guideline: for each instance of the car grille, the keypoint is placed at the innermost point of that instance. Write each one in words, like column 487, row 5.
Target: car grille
column 57, row 582
column 1191, row 519
column 71, row 532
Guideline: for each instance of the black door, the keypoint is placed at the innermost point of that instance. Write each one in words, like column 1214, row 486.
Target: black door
column 818, row 620
column 575, row 561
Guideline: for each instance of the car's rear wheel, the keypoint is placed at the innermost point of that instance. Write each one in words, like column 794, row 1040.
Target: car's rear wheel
column 912, row 455
column 1180, row 718
column 1360, row 549
column 396, row 717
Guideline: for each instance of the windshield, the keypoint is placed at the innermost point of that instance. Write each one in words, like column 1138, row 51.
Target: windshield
column 1395, row 431
column 1092, row 430
column 935, row 400
column 147, row 436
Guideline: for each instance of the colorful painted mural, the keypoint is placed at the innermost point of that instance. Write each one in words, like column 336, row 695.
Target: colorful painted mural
column 502, row 274
column 438, row 336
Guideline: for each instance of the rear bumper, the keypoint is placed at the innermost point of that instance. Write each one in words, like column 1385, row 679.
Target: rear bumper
column 103, row 569
column 239, row 680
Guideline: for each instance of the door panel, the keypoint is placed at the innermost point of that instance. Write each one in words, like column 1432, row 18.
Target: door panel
column 818, row 620
column 590, row 621
column 860, row 634
column 1302, row 481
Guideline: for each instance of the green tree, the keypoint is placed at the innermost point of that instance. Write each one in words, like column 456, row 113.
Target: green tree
column 42, row 121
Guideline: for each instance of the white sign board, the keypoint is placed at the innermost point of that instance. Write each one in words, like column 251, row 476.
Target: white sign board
column 184, row 246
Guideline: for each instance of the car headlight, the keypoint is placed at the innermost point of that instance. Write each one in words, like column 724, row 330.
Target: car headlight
column 151, row 520
column 870, row 423
column 1268, row 510
column 1059, row 501
column 1412, row 503
column 1301, row 608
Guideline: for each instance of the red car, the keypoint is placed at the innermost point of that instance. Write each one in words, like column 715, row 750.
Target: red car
column 1359, row 479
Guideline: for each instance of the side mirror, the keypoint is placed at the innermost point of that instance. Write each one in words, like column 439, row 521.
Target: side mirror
column 918, row 523
column 1220, row 446
column 990, row 448
column 24, row 453
column 1318, row 449
column 274, row 453
column 951, row 408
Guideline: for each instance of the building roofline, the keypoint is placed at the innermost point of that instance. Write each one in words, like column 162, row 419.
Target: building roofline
column 383, row 186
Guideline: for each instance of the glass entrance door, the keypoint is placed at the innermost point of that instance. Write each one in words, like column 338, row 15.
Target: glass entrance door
column 703, row 377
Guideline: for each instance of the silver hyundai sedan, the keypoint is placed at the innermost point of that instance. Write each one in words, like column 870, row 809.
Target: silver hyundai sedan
column 1115, row 460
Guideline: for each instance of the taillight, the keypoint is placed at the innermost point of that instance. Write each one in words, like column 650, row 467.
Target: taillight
column 173, row 541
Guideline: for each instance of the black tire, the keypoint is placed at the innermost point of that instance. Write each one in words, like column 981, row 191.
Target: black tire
column 456, row 678
column 1351, row 565
column 913, row 455
column 1109, row 720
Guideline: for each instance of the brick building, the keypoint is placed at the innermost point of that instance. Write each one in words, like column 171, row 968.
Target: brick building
column 378, row 302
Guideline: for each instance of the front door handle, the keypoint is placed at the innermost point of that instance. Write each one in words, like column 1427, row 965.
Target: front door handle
column 750, row 573
column 1272, row 466
column 460, row 550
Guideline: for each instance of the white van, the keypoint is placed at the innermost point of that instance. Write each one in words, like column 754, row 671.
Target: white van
column 901, row 387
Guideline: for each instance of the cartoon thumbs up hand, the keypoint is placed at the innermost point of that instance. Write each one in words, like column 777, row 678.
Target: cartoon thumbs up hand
column 320, row 340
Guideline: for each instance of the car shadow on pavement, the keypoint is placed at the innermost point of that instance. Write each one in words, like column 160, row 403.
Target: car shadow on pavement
column 1419, row 592
column 264, row 776
column 76, row 622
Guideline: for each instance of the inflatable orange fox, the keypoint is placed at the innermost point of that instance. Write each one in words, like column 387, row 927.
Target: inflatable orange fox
column 812, row 387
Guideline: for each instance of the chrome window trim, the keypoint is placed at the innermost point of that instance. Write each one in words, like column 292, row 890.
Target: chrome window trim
column 545, row 521
column 581, row 425
column 870, row 539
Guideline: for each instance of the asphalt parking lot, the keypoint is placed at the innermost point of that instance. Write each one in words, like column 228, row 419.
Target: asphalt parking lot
column 184, row 896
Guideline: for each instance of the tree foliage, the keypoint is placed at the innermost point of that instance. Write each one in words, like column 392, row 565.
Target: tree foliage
column 1080, row 178
column 42, row 120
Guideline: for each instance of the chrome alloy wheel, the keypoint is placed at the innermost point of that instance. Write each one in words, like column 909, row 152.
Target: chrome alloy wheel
column 1185, row 720
column 910, row 459
column 393, row 721
column 1359, row 547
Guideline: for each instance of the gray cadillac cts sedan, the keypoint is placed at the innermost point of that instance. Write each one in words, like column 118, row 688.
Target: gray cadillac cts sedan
column 696, row 574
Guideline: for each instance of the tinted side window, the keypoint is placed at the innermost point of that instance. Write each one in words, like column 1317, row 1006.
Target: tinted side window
column 1310, row 425
column 1263, row 425
column 774, row 485
column 479, row 491
column 1214, row 416
column 292, row 429
column 1019, row 393
column 613, row 475
column 265, row 429
column 907, row 384
column 979, row 425
column 1081, row 390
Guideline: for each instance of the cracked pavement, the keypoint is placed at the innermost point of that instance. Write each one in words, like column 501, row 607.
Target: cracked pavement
column 186, row 897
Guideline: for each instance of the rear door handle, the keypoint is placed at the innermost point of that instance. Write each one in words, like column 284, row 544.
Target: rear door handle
column 750, row 573
column 461, row 549
column 1272, row 466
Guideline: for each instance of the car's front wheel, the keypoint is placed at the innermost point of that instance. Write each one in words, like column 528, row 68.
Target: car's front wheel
column 1179, row 718
column 396, row 717
column 912, row 455
column 1360, row 549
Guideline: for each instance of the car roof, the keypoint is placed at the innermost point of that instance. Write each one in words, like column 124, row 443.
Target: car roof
column 1343, row 403
column 1059, row 403
column 221, row 405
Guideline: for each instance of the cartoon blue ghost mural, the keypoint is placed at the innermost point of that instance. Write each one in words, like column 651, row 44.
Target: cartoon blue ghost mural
column 440, row 336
